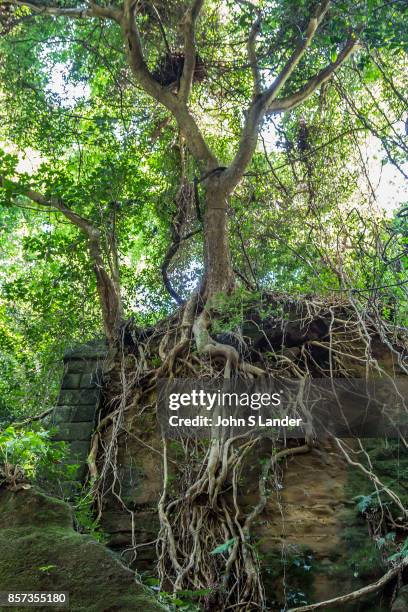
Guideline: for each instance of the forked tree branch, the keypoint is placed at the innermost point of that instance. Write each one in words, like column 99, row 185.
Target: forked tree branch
column 293, row 100
column 177, row 106
column 267, row 102
column 261, row 100
column 272, row 91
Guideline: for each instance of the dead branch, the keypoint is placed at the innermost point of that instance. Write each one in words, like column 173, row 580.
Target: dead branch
column 36, row 417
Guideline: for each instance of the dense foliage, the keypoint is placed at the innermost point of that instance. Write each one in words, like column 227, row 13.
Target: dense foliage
column 306, row 218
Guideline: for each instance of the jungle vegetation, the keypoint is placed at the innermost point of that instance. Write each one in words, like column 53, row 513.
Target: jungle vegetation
column 171, row 169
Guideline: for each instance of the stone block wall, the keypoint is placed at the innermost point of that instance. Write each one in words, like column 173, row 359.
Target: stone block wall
column 75, row 413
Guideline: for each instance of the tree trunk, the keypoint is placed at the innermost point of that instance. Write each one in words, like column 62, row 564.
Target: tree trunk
column 218, row 274
column 108, row 290
column 111, row 304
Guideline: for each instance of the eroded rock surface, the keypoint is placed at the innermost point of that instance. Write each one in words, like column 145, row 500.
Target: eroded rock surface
column 40, row 551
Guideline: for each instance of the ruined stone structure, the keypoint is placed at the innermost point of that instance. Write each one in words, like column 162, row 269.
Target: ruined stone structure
column 313, row 542
column 78, row 401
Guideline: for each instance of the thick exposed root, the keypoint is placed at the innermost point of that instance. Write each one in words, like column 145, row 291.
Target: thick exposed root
column 206, row 345
column 167, row 368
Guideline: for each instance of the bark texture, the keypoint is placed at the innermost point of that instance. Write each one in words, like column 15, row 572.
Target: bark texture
column 218, row 274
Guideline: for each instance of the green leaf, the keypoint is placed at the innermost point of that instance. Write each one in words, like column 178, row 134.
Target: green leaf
column 222, row 548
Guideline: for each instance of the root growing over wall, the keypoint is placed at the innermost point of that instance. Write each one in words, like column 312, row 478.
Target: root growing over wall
column 200, row 507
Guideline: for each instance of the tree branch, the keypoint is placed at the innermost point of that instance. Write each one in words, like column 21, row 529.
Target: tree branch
column 253, row 60
column 186, row 122
column 81, row 222
column 272, row 91
column 267, row 102
column 189, row 23
column 196, row 144
column 290, row 102
column 90, row 9
column 134, row 52
column 161, row 28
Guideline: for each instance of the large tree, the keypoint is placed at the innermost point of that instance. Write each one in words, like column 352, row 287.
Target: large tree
column 281, row 59
column 178, row 96
column 219, row 182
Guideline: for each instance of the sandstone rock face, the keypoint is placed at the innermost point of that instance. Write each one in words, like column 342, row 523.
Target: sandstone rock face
column 305, row 529
column 312, row 541
column 303, row 518
column 40, row 551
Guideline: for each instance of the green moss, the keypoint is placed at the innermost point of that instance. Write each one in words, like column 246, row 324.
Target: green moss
column 32, row 507
column 42, row 552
